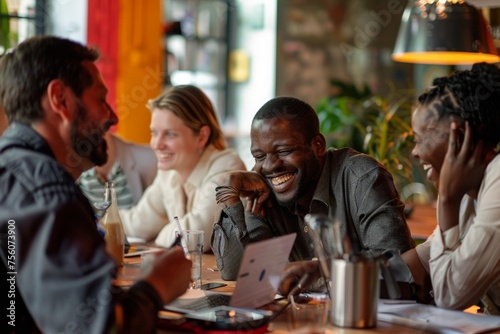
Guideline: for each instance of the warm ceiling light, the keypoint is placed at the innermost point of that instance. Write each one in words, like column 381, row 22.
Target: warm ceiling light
column 447, row 32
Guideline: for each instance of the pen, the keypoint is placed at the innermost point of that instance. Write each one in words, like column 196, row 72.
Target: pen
column 178, row 223
column 298, row 287
column 290, row 299
column 179, row 240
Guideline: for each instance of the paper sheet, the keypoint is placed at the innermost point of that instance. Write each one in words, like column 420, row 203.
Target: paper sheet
column 432, row 318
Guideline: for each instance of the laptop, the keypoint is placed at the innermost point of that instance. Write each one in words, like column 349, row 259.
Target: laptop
column 257, row 282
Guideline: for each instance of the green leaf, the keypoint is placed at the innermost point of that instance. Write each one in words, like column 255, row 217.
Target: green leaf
column 4, row 27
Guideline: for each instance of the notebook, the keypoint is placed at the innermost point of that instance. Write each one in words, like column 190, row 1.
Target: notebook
column 257, row 282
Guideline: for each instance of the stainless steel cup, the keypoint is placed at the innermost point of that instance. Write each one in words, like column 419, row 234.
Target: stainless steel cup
column 355, row 291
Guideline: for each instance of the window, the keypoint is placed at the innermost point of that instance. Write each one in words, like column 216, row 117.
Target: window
column 20, row 19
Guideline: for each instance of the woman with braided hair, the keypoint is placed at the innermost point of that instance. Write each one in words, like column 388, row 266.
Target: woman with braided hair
column 457, row 133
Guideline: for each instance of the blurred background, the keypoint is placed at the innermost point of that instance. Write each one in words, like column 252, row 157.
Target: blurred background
column 335, row 54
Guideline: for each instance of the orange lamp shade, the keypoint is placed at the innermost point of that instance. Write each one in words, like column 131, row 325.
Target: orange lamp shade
column 444, row 32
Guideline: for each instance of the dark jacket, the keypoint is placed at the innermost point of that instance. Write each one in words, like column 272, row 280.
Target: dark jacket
column 51, row 249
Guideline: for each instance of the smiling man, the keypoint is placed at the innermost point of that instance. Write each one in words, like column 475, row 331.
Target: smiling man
column 294, row 175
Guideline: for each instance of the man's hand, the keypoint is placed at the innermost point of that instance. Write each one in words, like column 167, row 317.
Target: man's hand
column 169, row 274
column 293, row 274
column 249, row 185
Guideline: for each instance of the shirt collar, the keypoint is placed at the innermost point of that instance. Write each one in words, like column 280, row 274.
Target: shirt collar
column 322, row 196
column 24, row 135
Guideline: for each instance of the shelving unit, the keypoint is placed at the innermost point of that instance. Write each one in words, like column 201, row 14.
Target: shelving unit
column 195, row 46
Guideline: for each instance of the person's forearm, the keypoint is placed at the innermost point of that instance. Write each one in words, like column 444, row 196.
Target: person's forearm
column 140, row 223
column 386, row 229
column 448, row 212
column 227, row 195
column 147, row 218
column 421, row 278
column 235, row 229
column 228, row 240
column 140, row 306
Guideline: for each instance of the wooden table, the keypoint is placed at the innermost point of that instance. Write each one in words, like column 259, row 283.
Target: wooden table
column 131, row 272
column 422, row 221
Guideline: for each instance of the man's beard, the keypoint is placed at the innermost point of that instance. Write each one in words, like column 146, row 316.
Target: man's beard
column 87, row 140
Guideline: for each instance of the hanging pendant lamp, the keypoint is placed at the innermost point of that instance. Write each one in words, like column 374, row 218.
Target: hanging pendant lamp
column 444, row 32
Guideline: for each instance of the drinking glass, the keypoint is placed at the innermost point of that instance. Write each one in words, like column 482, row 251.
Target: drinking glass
column 193, row 246
column 309, row 313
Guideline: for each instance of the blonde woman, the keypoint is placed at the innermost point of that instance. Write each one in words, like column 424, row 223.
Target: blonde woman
column 192, row 155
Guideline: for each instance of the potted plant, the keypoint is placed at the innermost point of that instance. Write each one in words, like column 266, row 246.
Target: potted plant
column 378, row 126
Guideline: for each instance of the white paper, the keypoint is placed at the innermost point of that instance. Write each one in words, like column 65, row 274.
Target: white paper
column 135, row 240
column 142, row 250
column 260, row 271
column 432, row 318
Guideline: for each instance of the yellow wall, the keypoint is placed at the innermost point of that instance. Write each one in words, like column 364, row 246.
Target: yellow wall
column 140, row 59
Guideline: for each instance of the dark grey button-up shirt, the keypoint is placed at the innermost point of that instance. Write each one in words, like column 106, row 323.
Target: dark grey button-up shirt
column 353, row 188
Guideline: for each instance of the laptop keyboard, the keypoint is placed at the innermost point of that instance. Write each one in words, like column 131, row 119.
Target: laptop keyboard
column 209, row 301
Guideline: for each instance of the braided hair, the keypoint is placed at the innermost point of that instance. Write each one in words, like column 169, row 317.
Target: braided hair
column 470, row 96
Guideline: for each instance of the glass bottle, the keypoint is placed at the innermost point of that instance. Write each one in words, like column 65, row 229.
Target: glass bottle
column 112, row 226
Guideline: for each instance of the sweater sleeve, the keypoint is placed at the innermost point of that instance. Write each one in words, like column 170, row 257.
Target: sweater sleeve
column 465, row 267
column 234, row 230
column 148, row 216
column 381, row 224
